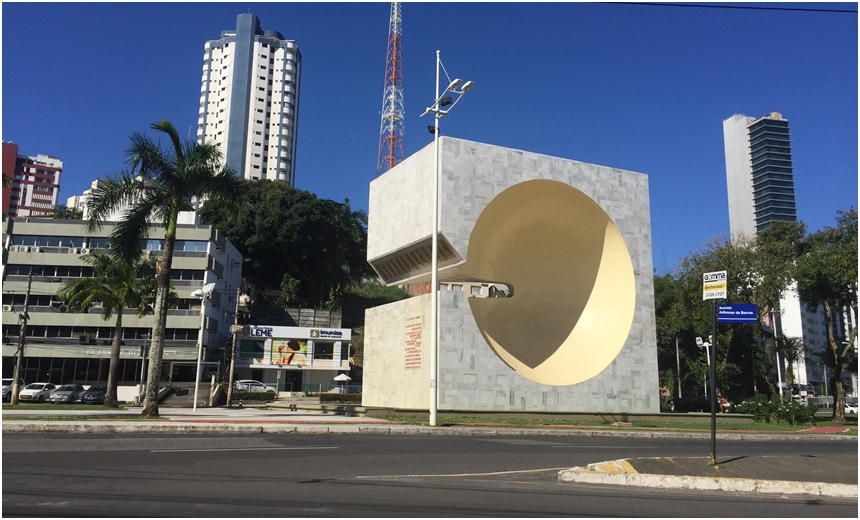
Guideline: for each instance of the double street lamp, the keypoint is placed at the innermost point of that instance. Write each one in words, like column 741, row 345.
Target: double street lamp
column 204, row 295
column 440, row 108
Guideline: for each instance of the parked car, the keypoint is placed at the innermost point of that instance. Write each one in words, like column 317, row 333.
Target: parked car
column 67, row 394
column 94, row 395
column 850, row 405
column 38, row 392
column 251, row 385
column 7, row 388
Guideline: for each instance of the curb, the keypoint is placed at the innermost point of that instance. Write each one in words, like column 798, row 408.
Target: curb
column 179, row 426
column 621, row 473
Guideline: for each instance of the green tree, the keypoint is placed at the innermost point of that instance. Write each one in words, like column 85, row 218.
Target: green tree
column 62, row 212
column 159, row 183
column 118, row 285
column 826, row 276
column 320, row 245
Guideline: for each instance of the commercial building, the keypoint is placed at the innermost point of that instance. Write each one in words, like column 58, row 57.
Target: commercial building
column 67, row 347
column 760, row 185
column 293, row 359
column 35, row 183
column 569, row 243
column 81, row 202
column 249, row 100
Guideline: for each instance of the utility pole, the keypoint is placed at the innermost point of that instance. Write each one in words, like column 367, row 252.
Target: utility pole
column 22, row 322
column 233, row 330
column 678, row 361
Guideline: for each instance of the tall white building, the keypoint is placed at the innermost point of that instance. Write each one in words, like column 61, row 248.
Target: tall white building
column 760, row 185
column 249, row 100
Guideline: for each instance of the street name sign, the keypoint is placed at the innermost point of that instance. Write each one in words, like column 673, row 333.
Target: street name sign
column 737, row 313
column 714, row 285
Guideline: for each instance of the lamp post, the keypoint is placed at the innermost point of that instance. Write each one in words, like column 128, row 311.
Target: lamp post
column 203, row 294
column 707, row 346
column 436, row 109
column 142, row 364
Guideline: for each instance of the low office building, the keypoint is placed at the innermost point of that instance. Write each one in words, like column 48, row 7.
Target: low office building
column 293, row 359
column 67, row 347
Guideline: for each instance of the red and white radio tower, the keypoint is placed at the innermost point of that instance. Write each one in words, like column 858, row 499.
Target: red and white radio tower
column 391, row 134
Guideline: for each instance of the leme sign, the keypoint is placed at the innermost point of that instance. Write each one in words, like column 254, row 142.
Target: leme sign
column 714, row 285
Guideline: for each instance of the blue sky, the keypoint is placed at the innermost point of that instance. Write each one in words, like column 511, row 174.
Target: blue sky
column 638, row 87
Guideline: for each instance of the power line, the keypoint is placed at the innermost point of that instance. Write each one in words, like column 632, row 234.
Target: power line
column 746, row 7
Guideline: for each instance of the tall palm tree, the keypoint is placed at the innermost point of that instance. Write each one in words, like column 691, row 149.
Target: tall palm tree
column 158, row 184
column 118, row 285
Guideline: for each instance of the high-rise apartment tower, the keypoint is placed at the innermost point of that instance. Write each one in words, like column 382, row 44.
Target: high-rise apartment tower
column 249, row 100
column 759, row 174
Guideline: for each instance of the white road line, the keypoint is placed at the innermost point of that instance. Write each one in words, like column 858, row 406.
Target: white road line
column 465, row 474
column 247, row 449
column 607, row 446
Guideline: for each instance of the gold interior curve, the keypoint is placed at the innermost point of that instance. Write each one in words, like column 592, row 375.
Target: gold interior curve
column 575, row 291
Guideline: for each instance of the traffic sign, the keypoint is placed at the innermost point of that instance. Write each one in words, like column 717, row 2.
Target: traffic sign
column 714, row 285
column 737, row 313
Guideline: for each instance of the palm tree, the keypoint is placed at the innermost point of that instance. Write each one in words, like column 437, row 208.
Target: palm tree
column 63, row 212
column 118, row 285
column 157, row 186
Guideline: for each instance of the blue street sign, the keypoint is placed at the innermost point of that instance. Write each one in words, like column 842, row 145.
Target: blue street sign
column 737, row 313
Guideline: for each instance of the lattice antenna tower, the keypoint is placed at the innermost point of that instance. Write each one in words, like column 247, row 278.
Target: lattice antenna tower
column 391, row 131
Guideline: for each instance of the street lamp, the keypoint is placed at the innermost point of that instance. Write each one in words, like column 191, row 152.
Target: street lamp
column 204, row 295
column 142, row 364
column 707, row 346
column 446, row 102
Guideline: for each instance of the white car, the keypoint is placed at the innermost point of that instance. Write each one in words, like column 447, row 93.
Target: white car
column 37, row 392
column 851, row 405
column 251, row 385
column 7, row 388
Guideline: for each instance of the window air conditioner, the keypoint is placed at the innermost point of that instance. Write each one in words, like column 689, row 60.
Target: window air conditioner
column 36, row 249
column 7, row 308
column 75, row 250
column 26, row 249
column 85, row 250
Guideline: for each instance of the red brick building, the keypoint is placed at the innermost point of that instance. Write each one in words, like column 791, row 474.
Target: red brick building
column 35, row 183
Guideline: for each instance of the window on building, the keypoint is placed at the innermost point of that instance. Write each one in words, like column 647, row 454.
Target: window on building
column 323, row 350
column 251, row 348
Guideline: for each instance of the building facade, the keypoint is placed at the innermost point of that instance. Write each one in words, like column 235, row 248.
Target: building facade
column 293, row 359
column 35, row 183
column 759, row 174
column 67, row 347
column 249, row 100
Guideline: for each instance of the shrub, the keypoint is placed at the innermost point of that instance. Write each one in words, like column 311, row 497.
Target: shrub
column 254, row 396
column 340, row 398
column 777, row 410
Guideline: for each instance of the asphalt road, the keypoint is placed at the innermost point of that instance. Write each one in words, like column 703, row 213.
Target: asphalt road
column 366, row 475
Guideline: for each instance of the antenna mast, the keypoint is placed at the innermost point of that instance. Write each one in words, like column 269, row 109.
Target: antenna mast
column 391, row 133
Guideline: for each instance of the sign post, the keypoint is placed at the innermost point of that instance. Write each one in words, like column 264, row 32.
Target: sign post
column 714, row 287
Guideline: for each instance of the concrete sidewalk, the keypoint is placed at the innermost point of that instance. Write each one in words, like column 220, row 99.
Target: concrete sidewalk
column 823, row 475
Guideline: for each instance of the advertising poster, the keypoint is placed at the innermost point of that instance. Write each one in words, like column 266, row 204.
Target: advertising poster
column 289, row 352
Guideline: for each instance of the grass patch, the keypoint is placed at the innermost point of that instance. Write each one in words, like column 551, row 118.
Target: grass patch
column 104, row 417
column 703, row 426
column 48, row 406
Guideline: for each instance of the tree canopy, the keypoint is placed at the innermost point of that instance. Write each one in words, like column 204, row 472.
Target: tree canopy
column 300, row 250
column 822, row 266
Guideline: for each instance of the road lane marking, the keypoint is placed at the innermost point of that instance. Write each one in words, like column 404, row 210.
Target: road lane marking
column 246, row 449
column 606, row 446
column 512, row 472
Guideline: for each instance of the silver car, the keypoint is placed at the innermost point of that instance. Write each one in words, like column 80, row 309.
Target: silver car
column 67, row 394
